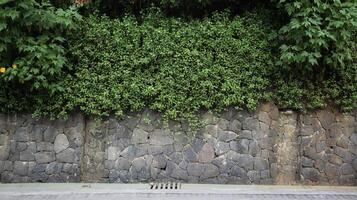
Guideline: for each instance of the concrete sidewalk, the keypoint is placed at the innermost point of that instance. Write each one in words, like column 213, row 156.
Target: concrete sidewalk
column 82, row 191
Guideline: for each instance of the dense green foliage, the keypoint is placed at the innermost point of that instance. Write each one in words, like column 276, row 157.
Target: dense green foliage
column 169, row 65
column 31, row 42
column 318, row 55
column 318, row 35
column 182, row 8
column 179, row 60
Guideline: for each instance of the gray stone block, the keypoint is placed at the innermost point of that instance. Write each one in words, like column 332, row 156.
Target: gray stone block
column 206, row 154
column 21, row 168
column 39, row 168
column 211, row 131
column 54, row 178
column 142, row 149
column 159, row 162
column 223, row 124
column 179, row 174
column 241, row 146
column 246, row 161
column 131, row 122
column 346, row 169
column 195, row 169
column 197, row 144
column 238, row 172
column 209, row 118
column 353, row 138
column 254, row 176
column 347, row 180
column 3, row 137
column 226, row 136
column 61, row 143
column 176, row 157
column 354, row 164
column 29, row 153
column 320, row 165
column 260, row 164
column 139, row 164
column 21, row 134
column 54, row 168
column 159, row 137
column 264, row 117
column 67, row 156
column 113, row 152
column 183, row 164
column 27, row 156
column 209, row 171
column 2, row 163
column 221, row 148
column 343, row 142
column 344, row 154
column 170, row 166
column 45, row 157
column 245, row 134
column 251, row 124
column 190, row 155
column 307, row 130
column 331, row 170
column 321, row 146
column 180, row 137
column 334, row 159
column 44, row 146
column 254, row 148
column 224, row 164
column 122, row 164
column 155, row 150
column 326, row 118
column 71, row 169
column 109, row 164
column 235, row 126
column 231, row 156
column 7, row 177
column 21, row 146
column 50, row 134
column 128, row 152
column 20, row 179
column 124, row 176
column 140, row 136
column 265, row 174
column 12, row 148
column 310, row 173
column 306, row 162
column 274, row 170
column 266, row 143
column 311, row 153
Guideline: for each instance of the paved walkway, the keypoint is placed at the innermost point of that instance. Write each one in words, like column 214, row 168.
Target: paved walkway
column 83, row 191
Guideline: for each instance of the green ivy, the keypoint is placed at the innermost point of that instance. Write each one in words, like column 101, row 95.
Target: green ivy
column 173, row 66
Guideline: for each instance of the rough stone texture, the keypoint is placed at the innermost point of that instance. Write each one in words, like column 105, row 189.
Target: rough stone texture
column 30, row 149
column 61, row 143
column 267, row 146
column 327, row 148
column 206, row 154
column 287, row 150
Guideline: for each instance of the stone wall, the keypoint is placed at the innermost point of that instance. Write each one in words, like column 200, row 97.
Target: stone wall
column 267, row 146
column 40, row 151
column 328, row 148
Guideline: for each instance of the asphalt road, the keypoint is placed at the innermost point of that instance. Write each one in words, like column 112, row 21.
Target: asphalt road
column 187, row 192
